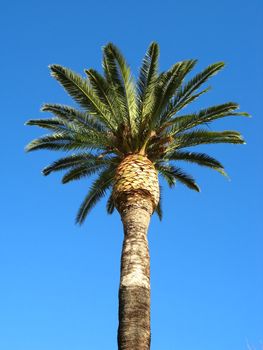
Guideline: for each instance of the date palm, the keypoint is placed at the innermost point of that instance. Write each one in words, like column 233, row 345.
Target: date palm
column 128, row 134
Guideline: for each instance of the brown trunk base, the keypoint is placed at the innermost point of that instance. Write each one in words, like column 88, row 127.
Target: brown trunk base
column 134, row 317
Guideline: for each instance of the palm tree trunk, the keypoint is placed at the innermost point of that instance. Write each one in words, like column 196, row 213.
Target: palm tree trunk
column 134, row 293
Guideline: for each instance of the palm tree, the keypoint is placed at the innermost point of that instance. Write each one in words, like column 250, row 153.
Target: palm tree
column 129, row 133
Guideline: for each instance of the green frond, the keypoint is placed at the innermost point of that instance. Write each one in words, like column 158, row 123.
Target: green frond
column 79, row 89
column 171, row 174
column 50, row 124
column 171, row 110
column 189, row 88
column 110, row 205
column 81, row 171
column 204, row 116
column 118, row 117
column 206, row 137
column 70, row 114
column 111, row 75
column 193, row 157
column 119, row 75
column 185, row 179
column 60, row 125
column 97, row 191
column 197, row 158
column 167, row 173
column 146, row 81
column 167, row 85
column 158, row 209
column 102, row 89
column 70, row 140
column 75, row 160
column 74, row 130
column 56, row 141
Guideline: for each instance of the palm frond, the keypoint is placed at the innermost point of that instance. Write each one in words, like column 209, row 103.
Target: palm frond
column 102, row 89
column 56, row 141
column 66, row 141
column 60, row 125
column 118, row 118
column 186, row 179
column 206, row 137
column 75, row 160
column 79, row 89
column 88, row 135
column 97, row 191
column 119, row 74
column 146, row 81
column 170, row 110
column 70, row 114
column 197, row 158
column 204, row 116
column 171, row 174
column 50, row 124
column 158, row 209
column 110, row 205
column 185, row 92
column 167, row 85
column 194, row 157
column 167, row 173
column 81, row 171
column 115, row 86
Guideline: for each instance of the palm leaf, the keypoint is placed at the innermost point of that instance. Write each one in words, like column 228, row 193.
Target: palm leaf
column 184, row 94
column 198, row 158
column 193, row 157
column 167, row 85
column 81, row 171
column 204, row 116
column 171, row 174
column 70, row 114
column 56, row 141
column 166, row 173
column 50, row 124
column 110, row 205
column 97, row 191
column 75, row 160
column 170, row 110
column 79, row 89
column 76, row 131
column 206, row 137
column 103, row 91
column 146, row 81
column 186, row 179
column 119, row 75
column 69, row 141
column 118, row 118
column 158, row 209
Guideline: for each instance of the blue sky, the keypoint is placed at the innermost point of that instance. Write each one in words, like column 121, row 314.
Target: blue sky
column 59, row 282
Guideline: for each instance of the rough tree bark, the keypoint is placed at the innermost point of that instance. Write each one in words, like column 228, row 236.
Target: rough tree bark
column 134, row 293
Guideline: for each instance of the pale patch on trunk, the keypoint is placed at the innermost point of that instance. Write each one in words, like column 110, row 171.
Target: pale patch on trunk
column 135, row 254
column 136, row 278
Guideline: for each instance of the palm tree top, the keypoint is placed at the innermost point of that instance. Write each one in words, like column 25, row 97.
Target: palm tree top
column 118, row 117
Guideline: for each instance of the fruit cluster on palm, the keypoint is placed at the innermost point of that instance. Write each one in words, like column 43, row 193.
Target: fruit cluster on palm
column 128, row 132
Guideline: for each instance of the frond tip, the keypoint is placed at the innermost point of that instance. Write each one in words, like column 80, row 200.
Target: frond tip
column 171, row 174
column 97, row 191
column 110, row 205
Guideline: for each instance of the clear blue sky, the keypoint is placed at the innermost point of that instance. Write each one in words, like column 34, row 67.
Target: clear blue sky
column 59, row 282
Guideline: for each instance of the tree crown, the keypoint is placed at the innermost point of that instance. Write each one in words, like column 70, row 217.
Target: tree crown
column 118, row 117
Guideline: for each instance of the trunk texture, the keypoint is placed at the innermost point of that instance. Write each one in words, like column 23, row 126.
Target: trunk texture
column 136, row 195
column 134, row 293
